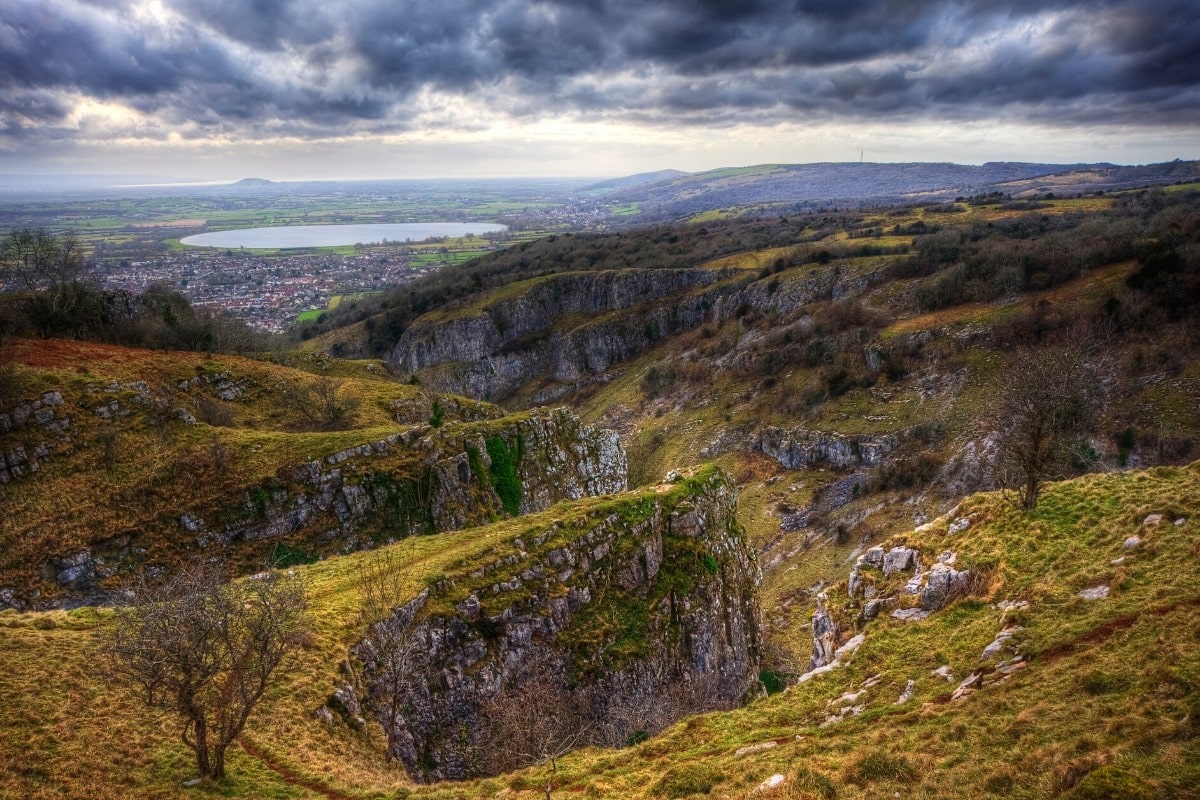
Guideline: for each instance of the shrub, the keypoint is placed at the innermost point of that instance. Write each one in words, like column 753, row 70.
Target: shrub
column 774, row 682
column 214, row 412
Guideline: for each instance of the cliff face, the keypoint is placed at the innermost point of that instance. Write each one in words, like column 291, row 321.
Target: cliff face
column 560, row 327
column 638, row 610
column 416, row 481
column 799, row 448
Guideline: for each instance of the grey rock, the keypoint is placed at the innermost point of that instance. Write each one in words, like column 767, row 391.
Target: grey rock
column 899, row 559
column 491, row 352
column 825, row 634
column 1002, row 642
column 943, row 583
column 969, row 684
column 708, row 641
column 798, row 448
column 1132, row 542
column 910, row 614
column 1152, row 520
column 875, row 607
column 1095, row 593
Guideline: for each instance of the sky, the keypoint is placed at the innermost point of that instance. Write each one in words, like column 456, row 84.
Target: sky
column 327, row 89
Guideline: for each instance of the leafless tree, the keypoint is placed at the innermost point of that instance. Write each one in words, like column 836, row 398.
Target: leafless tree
column 536, row 720
column 1049, row 400
column 389, row 646
column 321, row 404
column 44, row 262
column 207, row 651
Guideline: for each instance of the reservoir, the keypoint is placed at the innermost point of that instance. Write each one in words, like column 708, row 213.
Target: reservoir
column 337, row 235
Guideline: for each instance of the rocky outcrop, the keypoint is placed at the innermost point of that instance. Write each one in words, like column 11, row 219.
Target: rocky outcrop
column 452, row 477
column 558, row 328
column 933, row 588
column 417, row 481
column 647, row 602
column 798, row 448
column 31, row 431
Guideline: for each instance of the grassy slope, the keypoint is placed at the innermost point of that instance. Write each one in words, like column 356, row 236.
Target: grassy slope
column 159, row 471
column 1110, row 682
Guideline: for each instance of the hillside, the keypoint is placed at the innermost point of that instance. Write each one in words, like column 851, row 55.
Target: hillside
column 792, row 188
column 1083, row 698
column 118, row 461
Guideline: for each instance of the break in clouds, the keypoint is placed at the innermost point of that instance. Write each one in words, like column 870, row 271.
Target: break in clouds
column 203, row 69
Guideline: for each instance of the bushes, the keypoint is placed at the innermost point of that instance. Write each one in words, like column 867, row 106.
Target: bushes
column 321, row 405
column 908, row 473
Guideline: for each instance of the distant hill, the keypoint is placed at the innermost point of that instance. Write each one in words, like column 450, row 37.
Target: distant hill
column 254, row 183
column 801, row 187
column 640, row 179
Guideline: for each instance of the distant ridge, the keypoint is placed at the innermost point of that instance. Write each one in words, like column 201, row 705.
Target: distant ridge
column 253, row 183
column 640, row 179
column 806, row 186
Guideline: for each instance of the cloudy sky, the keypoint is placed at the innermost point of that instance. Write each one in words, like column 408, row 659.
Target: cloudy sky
column 293, row 89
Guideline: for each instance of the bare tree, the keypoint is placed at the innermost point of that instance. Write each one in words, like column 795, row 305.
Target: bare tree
column 389, row 647
column 536, row 720
column 321, row 404
column 44, row 262
column 1049, row 400
column 207, row 651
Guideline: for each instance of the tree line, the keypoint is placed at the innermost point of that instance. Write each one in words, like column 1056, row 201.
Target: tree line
column 51, row 296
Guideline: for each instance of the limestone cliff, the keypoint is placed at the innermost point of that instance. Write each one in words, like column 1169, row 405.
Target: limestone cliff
column 640, row 609
column 420, row 480
column 559, row 327
column 798, row 448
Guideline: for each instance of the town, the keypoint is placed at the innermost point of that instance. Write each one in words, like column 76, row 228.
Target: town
column 268, row 292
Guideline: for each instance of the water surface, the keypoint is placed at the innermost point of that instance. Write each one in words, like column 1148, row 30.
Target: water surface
column 285, row 236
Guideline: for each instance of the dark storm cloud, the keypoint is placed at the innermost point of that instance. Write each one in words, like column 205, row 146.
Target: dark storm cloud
column 314, row 67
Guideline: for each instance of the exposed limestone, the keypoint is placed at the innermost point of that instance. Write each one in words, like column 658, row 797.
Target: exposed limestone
column 797, row 448
column 677, row 559
column 492, row 350
column 825, row 633
column 900, row 558
column 749, row 749
column 1095, row 593
column 1001, row 643
column 556, row 458
column 839, row 657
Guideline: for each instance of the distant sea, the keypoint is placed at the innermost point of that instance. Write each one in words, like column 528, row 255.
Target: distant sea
column 335, row 235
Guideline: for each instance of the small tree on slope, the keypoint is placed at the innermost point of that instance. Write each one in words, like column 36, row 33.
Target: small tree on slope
column 1050, row 398
column 207, row 651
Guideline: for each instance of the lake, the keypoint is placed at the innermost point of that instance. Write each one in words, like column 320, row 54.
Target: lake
column 285, row 236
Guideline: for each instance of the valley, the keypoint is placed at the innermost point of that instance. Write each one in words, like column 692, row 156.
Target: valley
column 725, row 490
